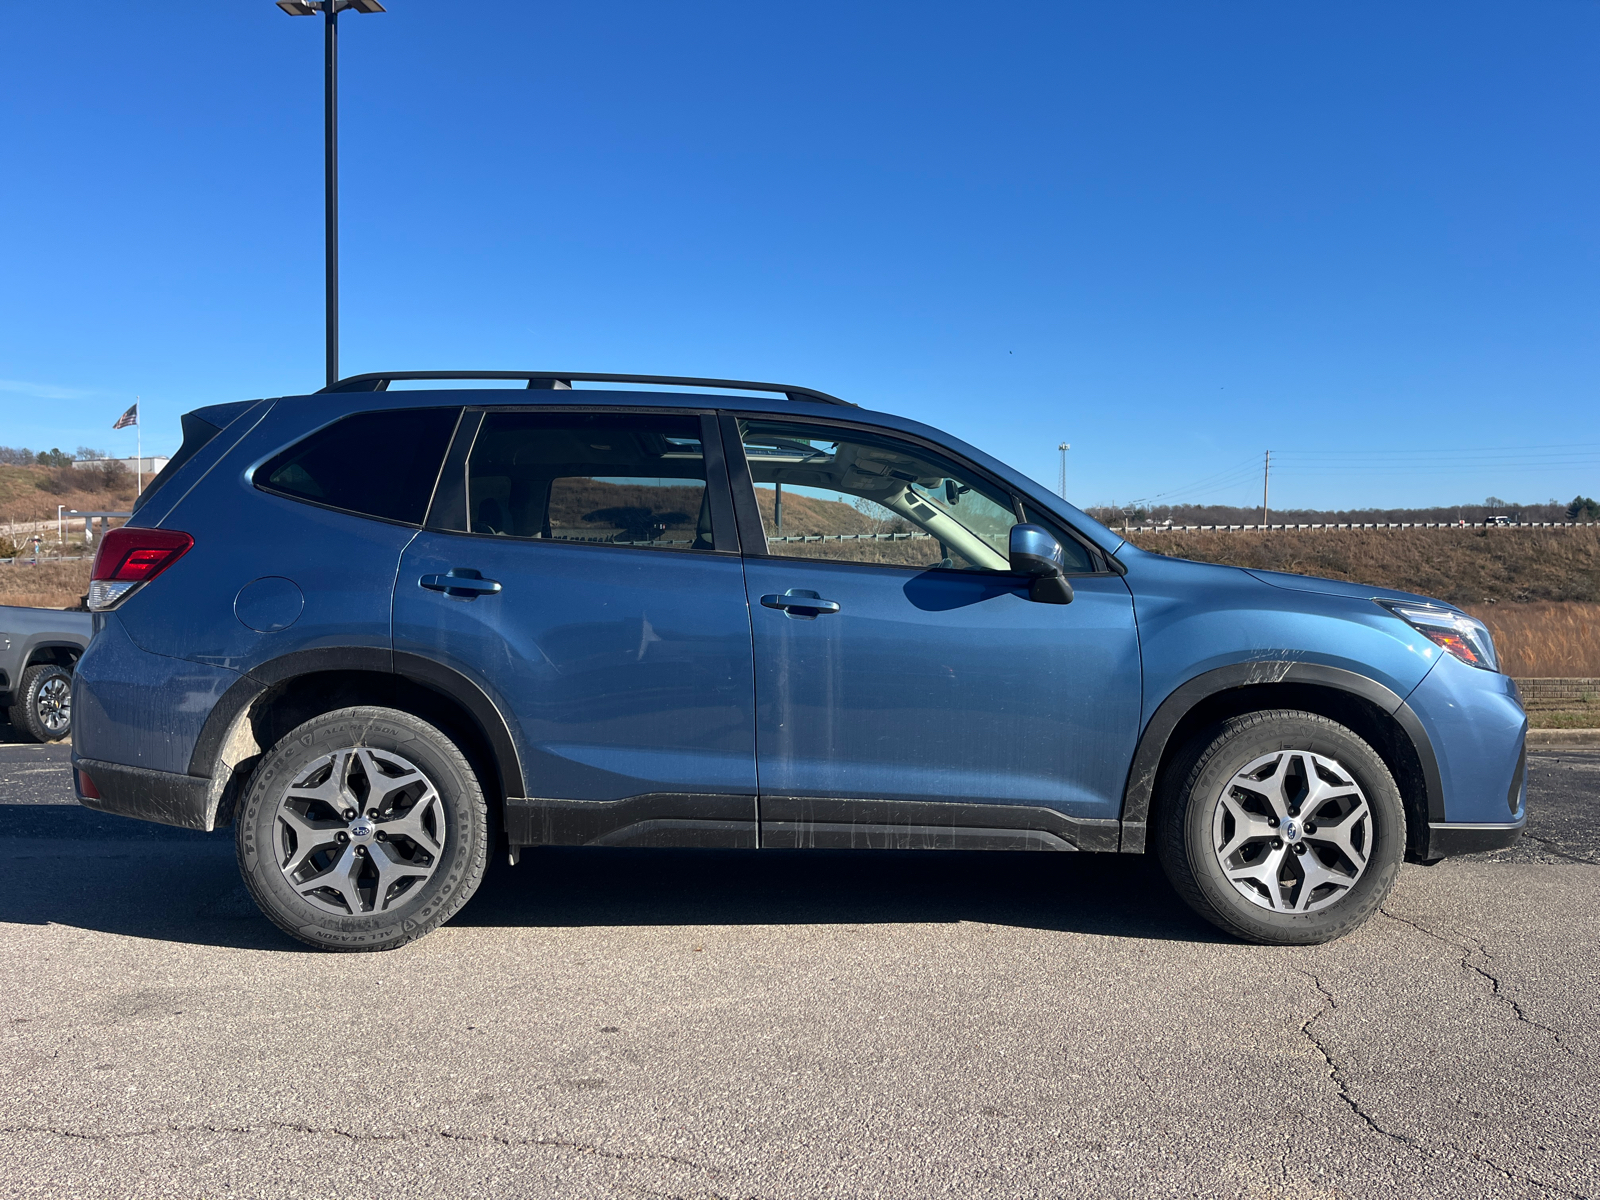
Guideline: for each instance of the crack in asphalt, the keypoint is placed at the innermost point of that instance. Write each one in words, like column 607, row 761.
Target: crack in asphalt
column 1335, row 1071
column 1336, row 1074
column 404, row 1135
column 1549, row 845
column 1497, row 987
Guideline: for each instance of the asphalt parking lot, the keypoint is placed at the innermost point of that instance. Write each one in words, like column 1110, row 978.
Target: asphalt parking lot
column 791, row 1024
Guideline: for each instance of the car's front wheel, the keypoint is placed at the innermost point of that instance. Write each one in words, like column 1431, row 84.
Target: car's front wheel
column 42, row 703
column 362, row 829
column 1281, row 827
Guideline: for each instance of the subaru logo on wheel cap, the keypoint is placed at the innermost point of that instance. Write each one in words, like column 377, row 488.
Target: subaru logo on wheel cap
column 1291, row 831
column 361, row 827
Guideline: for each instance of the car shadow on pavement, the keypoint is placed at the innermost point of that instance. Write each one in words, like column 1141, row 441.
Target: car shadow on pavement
column 1114, row 895
column 69, row 866
column 11, row 736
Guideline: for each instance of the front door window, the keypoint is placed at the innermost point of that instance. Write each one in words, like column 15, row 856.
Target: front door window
column 839, row 496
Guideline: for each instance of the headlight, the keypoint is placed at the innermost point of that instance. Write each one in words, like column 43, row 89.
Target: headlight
column 1463, row 636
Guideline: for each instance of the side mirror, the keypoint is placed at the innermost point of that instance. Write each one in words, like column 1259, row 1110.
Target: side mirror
column 1035, row 552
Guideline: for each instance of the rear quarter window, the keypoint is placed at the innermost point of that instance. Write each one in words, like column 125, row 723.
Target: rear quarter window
column 378, row 464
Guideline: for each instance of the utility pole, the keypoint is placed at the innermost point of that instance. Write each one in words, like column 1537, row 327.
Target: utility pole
column 1266, row 476
column 1062, row 490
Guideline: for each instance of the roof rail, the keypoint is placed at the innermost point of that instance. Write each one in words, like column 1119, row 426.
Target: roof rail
column 378, row 381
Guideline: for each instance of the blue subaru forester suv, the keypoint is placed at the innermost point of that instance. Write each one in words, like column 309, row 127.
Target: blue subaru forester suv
column 386, row 633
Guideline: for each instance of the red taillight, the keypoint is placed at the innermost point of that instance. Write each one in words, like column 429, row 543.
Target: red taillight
column 86, row 787
column 130, row 555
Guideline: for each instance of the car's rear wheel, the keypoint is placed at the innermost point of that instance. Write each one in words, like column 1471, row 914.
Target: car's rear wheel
column 1281, row 827
column 42, row 703
column 362, row 829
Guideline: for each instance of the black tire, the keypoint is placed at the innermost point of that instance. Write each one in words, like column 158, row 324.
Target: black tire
column 1189, row 827
column 456, row 814
column 41, row 708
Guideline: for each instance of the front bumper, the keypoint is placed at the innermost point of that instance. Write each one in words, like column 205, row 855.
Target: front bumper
column 1446, row 838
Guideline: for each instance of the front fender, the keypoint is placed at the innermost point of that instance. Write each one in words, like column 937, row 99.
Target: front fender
column 1179, row 703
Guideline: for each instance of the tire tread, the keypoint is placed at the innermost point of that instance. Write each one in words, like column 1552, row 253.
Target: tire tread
column 1176, row 852
column 409, row 932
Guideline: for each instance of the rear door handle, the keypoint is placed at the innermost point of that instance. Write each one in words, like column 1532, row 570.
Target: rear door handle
column 461, row 581
column 804, row 605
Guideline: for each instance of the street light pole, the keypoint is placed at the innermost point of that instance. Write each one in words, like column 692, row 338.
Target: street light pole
column 330, row 183
column 1062, row 491
column 330, row 10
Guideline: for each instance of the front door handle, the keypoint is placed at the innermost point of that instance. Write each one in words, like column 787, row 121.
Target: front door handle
column 461, row 581
column 801, row 604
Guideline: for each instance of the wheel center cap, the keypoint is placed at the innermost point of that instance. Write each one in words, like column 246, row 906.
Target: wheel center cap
column 1291, row 830
column 361, row 828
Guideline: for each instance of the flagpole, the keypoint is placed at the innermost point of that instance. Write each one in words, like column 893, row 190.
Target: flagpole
column 138, row 450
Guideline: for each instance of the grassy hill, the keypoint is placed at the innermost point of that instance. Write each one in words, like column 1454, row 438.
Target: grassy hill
column 1538, row 590
column 32, row 493
column 1463, row 566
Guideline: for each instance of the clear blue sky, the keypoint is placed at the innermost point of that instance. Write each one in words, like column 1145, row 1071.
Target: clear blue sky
column 1173, row 234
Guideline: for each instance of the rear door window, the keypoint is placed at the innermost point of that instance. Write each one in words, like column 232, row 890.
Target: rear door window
column 616, row 479
column 376, row 464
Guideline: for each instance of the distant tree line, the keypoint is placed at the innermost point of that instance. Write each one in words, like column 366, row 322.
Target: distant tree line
column 13, row 456
column 107, row 474
column 1581, row 508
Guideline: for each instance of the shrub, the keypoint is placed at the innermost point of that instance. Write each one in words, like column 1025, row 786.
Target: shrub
column 112, row 475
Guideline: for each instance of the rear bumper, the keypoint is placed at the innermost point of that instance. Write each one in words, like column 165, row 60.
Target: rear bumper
column 1447, row 838
column 143, row 794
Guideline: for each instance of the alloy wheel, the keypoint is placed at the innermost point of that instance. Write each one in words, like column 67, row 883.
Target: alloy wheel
column 1292, row 831
column 359, row 831
column 53, row 704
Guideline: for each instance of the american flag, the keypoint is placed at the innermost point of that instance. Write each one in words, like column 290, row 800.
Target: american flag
column 131, row 417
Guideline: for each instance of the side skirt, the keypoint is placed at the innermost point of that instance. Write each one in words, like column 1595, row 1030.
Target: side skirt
column 804, row 822
column 658, row 819
column 690, row 820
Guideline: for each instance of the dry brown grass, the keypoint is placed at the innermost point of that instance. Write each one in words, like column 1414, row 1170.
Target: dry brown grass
column 1463, row 566
column 1544, row 641
column 48, row 585
column 33, row 493
column 1536, row 589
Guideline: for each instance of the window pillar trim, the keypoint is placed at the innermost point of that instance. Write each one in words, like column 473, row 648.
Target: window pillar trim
column 752, row 534
column 447, row 513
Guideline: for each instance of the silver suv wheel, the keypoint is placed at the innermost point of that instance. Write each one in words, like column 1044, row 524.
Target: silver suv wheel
column 53, row 705
column 1281, row 826
column 1292, row 831
column 362, row 829
column 359, row 831
column 41, row 704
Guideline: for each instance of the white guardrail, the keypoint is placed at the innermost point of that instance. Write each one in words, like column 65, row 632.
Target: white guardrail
column 1369, row 525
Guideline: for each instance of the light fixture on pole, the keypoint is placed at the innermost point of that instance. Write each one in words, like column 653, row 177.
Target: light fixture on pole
column 330, row 10
column 1062, row 490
